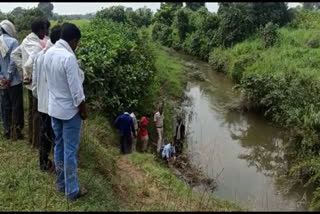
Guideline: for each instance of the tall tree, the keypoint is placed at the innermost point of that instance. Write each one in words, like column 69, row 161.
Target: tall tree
column 46, row 8
column 195, row 5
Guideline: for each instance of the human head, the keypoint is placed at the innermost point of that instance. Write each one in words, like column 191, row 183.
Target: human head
column 71, row 34
column 55, row 34
column 8, row 28
column 39, row 27
column 160, row 110
column 179, row 120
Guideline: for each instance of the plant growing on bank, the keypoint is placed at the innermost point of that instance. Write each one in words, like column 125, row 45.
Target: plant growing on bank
column 269, row 34
column 118, row 63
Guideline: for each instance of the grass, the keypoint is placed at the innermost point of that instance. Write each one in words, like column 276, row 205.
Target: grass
column 133, row 182
column 80, row 23
column 284, row 82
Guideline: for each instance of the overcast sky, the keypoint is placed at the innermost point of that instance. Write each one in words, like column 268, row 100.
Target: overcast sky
column 82, row 8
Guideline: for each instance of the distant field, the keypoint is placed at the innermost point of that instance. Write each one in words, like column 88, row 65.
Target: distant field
column 79, row 23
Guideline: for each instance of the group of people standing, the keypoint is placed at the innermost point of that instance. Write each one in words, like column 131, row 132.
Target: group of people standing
column 131, row 131
column 45, row 63
column 47, row 66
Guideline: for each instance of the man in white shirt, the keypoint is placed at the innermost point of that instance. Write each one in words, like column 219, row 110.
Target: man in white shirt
column 40, row 91
column 134, row 137
column 24, row 56
column 158, row 120
column 66, row 108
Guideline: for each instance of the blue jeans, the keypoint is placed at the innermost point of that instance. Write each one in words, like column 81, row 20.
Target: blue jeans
column 67, row 139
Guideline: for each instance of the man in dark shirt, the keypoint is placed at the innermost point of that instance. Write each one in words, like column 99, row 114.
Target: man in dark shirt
column 125, row 125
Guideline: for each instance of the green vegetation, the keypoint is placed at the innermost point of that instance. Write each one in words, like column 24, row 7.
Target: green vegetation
column 139, row 18
column 197, row 31
column 283, row 81
column 272, row 53
column 118, row 63
column 134, row 182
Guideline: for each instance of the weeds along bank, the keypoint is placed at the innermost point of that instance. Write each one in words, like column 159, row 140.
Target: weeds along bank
column 277, row 69
column 122, row 69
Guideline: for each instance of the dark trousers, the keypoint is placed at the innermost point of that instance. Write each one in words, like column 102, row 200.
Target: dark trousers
column 12, row 110
column 125, row 144
column 30, row 124
column 179, row 146
column 46, row 141
column 33, row 120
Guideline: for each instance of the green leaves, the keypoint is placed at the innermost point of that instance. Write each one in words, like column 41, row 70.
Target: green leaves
column 118, row 64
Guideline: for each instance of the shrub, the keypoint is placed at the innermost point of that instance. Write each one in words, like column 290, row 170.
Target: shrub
column 118, row 63
column 314, row 42
column 269, row 34
column 220, row 60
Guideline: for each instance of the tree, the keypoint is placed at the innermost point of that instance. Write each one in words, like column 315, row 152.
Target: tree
column 265, row 12
column 114, row 13
column 167, row 12
column 195, row 5
column 46, row 8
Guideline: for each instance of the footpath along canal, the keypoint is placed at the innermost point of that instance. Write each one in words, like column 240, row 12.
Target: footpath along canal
column 241, row 151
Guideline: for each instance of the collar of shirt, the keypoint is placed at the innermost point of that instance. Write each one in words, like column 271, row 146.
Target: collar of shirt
column 63, row 44
column 127, row 113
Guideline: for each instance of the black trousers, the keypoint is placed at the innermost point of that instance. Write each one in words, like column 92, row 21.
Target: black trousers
column 46, row 141
column 12, row 107
column 125, row 144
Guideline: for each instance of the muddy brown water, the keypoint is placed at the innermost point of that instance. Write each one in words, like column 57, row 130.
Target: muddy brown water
column 243, row 152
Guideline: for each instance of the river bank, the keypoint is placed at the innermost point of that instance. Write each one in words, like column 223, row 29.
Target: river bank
column 135, row 182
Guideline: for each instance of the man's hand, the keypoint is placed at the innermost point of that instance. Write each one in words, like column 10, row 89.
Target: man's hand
column 83, row 110
column 6, row 83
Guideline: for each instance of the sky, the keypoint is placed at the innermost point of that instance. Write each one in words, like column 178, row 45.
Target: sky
column 83, row 8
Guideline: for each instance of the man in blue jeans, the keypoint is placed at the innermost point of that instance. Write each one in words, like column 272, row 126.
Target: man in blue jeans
column 66, row 108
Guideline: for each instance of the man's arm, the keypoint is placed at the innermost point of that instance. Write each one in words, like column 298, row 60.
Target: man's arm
column 16, row 57
column 35, row 78
column 75, row 85
column 32, row 50
column 12, row 69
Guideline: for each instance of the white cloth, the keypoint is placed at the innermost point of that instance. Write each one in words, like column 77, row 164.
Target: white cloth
column 3, row 47
column 64, row 81
column 25, row 54
column 158, row 119
column 39, row 80
column 9, row 28
column 160, row 139
column 135, row 122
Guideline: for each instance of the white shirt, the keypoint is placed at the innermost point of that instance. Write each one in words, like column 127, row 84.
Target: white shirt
column 25, row 54
column 158, row 119
column 135, row 122
column 39, row 80
column 64, row 81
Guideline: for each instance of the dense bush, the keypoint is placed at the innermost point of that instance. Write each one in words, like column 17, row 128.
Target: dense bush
column 220, row 60
column 269, row 34
column 118, row 63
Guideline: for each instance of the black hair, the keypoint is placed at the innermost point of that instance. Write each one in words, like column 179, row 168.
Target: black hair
column 4, row 32
column 55, row 34
column 70, row 32
column 39, row 24
column 48, row 24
